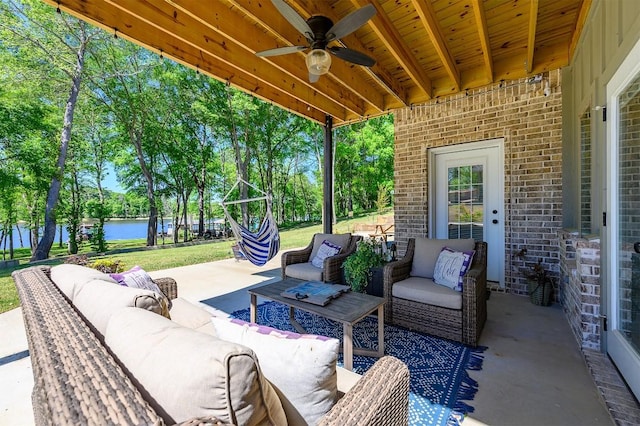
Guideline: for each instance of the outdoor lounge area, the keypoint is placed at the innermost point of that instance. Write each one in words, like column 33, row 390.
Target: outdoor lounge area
column 533, row 372
column 515, row 124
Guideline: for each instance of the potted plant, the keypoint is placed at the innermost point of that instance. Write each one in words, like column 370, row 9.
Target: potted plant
column 539, row 285
column 357, row 267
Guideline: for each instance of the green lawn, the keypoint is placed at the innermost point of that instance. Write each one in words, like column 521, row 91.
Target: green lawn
column 164, row 258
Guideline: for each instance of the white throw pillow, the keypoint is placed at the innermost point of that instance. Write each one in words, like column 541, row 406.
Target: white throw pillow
column 427, row 250
column 327, row 249
column 301, row 367
column 137, row 277
column 451, row 267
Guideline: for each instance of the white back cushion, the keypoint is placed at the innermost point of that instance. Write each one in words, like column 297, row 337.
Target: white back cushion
column 191, row 374
column 69, row 278
column 427, row 251
column 341, row 240
column 97, row 300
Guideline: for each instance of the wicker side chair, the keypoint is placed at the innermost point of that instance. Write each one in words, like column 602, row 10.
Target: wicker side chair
column 297, row 263
column 462, row 325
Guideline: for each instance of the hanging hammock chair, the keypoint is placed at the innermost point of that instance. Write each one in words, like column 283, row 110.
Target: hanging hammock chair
column 261, row 246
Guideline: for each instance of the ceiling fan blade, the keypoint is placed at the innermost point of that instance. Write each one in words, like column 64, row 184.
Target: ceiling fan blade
column 280, row 51
column 351, row 22
column 294, row 19
column 352, row 56
column 313, row 78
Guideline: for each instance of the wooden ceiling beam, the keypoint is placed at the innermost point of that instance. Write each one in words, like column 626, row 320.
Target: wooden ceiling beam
column 547, row 59
column 428, row 17
column 531, row 41
column 393, row 41
column 141, row 33
column 483, row 35
column 580, row 21
column 169, row 22
column 267, row 16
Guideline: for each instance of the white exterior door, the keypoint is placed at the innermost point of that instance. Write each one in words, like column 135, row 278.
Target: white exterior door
column 623, row 225
column 467, row 198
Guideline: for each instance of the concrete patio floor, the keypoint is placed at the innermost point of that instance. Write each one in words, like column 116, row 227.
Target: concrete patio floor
column 533, row 372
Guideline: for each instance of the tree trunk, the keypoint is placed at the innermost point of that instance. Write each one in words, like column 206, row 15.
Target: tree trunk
column 201, row 227
column 185, row 198
column 44, row 246
column 152, row 224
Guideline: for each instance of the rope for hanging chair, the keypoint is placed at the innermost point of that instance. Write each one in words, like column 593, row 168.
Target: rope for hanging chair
column 261, row 246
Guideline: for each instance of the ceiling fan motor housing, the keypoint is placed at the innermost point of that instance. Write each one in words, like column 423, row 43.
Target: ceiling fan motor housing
column 320, row 25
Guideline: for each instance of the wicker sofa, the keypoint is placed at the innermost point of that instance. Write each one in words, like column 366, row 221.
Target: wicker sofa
column 416, row 302
column 78, row 380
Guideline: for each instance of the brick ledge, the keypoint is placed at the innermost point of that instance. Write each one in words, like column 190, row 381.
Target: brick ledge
column 619, row 400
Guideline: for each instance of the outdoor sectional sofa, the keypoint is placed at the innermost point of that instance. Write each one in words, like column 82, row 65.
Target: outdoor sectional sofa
column 93, row 365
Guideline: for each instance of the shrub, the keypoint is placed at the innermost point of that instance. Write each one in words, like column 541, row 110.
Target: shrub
column 108, row 266
column 78, row 259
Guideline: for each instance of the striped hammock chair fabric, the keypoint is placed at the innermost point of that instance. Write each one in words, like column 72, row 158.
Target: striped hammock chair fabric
column 257, row 247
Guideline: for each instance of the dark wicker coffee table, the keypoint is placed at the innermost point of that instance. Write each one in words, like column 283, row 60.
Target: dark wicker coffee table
column 347, row 309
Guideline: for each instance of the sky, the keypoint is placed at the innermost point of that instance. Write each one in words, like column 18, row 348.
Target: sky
column 110, row 181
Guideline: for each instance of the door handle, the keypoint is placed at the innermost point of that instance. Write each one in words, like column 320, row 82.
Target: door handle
column 636, row 247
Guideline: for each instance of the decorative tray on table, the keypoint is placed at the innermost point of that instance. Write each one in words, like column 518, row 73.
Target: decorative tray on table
column 315, row 292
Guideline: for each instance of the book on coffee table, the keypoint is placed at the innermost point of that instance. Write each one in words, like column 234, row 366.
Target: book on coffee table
column 315, row 292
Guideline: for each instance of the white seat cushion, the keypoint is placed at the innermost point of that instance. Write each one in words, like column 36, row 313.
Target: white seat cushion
column 427, row 251
column 304, row 271
column 424, row 290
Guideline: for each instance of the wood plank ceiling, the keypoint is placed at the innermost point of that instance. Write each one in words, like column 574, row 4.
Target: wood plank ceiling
column 423, row 48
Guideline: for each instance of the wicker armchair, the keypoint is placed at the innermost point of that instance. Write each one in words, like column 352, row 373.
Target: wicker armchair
column 462, row 325
column 297, row 263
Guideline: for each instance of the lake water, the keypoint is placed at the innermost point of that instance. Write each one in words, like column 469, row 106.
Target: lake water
column 114, row 230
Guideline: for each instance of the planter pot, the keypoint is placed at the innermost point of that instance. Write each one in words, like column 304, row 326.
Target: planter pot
column 374, row 287
column 540, row 291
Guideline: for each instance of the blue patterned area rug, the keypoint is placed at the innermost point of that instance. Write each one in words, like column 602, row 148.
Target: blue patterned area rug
column 440, row 383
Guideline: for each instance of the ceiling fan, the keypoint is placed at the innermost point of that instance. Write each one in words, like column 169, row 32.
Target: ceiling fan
column 319, row 32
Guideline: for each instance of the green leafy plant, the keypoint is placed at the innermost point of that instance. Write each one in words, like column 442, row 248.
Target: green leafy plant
column 357, row 267
column 108, row 266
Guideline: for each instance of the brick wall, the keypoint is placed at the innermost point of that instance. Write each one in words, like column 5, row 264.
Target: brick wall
column 580, row 287
column 531, row 125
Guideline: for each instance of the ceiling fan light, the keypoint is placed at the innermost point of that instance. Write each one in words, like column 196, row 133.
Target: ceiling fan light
column 318, row 61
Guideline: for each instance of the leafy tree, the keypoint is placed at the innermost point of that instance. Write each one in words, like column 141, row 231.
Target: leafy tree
column 40, row 35
column 128, row 89
column 364, row 161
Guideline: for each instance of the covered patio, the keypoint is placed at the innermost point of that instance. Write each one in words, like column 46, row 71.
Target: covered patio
column 453, row 73
column 533, row 373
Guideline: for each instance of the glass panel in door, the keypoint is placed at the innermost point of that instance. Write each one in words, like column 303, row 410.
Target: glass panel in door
column 466, row 202
column 629, row 214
